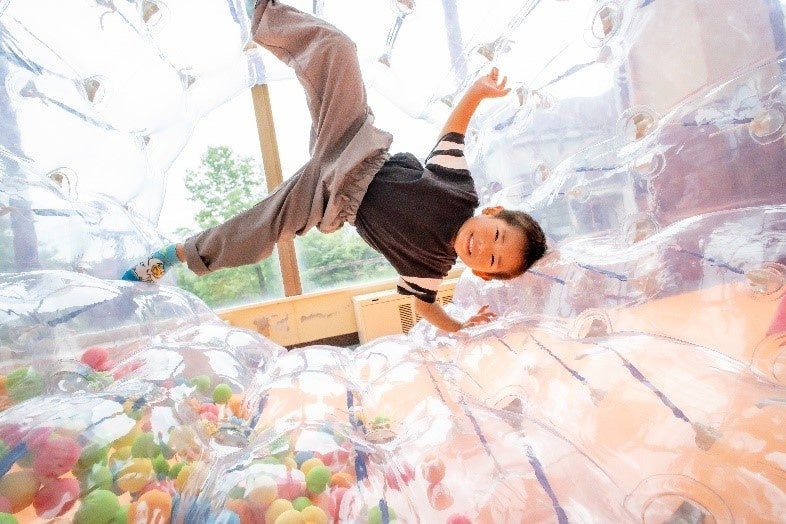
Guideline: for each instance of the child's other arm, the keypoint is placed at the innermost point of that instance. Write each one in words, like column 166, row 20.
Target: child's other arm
column 487, row 86
column 439, row 318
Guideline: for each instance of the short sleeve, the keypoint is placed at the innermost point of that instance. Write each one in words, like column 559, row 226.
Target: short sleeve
column 447, row 157
column 424, row 289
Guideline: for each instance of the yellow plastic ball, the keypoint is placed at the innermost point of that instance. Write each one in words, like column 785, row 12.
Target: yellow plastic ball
column 290, row 516
column 276, row 508
column 310, row 464
column 135, row 475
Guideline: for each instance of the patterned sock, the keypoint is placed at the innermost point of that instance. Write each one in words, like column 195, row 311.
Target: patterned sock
column 152, row 268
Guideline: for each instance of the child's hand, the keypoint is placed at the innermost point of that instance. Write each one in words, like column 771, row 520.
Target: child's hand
column 490, row 85
column 483, row 316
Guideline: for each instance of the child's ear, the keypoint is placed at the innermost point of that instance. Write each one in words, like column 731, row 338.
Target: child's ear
column 492, row 211
column 481, row 274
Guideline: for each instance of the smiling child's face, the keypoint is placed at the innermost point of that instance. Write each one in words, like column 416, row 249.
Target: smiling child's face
column 489, row 245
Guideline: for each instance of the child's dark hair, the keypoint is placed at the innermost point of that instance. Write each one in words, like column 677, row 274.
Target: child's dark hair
column 534, row 236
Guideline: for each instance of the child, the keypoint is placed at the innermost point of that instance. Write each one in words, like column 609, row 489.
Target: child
column 420, row 219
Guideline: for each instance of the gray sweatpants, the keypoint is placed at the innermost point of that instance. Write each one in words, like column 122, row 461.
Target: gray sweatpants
column 346, row 149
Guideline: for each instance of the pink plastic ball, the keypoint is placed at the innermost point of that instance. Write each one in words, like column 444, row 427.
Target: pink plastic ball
column 433, row 469
column 96, row 358
column 394, row 477
column 293, row 486
column 56, row 497
column 439, row 497
column 37, row 437
column 56, row 456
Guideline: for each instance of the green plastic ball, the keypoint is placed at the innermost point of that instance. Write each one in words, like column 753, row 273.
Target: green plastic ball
column 317, row 479
column 375, row 515
column 98, row 507
column 24, row 383
column 201, row 383
column 222, row 394
column 300, row 503
column 175, row 470
column 145, row 446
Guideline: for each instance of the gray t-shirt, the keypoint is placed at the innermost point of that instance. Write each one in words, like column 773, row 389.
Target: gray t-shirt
column 411, row 214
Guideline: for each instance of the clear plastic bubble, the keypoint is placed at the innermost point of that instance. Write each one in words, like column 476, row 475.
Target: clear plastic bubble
column 635, row 373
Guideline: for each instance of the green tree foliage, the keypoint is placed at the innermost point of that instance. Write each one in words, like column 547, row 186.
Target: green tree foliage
column 226, row 184
column 341, row 258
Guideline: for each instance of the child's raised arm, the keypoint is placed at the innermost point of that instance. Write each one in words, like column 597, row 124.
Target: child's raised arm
column 487, row 86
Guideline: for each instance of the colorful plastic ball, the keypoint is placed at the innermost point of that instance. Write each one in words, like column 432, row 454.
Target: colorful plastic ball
column 317, row 479
column 241, row 508
column 302, row 456
column 97, row 477
column 200, row 382
column 37, row 437
column 97, row 507
column 290, row 516
column 135, row 475
column 6, row 518
column 292, row 485
column 335, row 459
column 314, row 515
column 235, row 405
column 145, row 446
column 301, row 502
column 439, row 497
column 11, row 434
column 375, row 515
column 236, row 492
column 97, row 358
column 433, row 469
column 222, row 393
column 208, row 408
column 56, row 497
column 395, row 477
column 120, row 516
column 276, row 508
column 5, row 505
column 310, row 464
column 289, row 462
column 263, row 491
column 336, row 498
column 24, row 383
column 93, row 453
column 458, row 518
column 152, row 507
column 19, row 488
column 184, row 441
column 128, row 439
column 341, row 479
column 183, row 476
column 164, row 485
column 174, row 469
column 160, row 466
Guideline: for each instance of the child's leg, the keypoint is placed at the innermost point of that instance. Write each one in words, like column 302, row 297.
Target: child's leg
column 346, row 149
column 325, row 62
column 343, row 140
